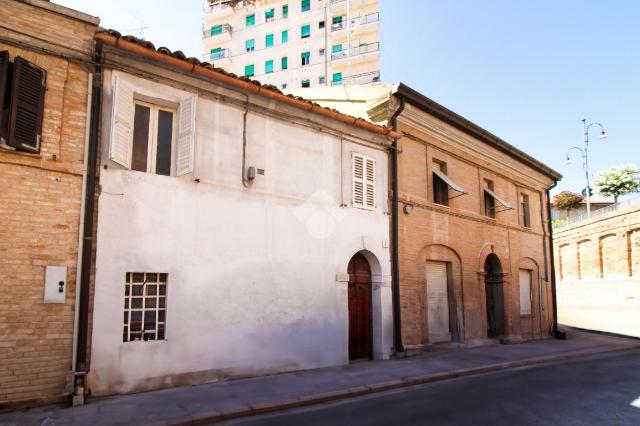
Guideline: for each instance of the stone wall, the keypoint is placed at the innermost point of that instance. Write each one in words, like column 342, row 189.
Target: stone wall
column 604, row 248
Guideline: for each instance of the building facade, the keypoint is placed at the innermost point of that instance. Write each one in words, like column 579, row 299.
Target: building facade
column 295, row 43
column 239, row 231
column 473, row 249
column 473, row 230
column 44, row 94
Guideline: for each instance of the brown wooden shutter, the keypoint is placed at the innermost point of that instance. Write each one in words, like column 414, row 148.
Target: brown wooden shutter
column 4, row 72
column 27, row 105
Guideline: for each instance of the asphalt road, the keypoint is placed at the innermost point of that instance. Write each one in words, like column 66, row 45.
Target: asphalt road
column 589, row 391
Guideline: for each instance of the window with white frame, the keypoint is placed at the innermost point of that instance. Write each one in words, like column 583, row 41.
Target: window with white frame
column 150, row 137
column 152, row 145
column 364, row 182
column 145, row 306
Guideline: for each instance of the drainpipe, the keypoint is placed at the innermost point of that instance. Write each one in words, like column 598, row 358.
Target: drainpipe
column 395, row 267
column 556, row 333
column 81, row 365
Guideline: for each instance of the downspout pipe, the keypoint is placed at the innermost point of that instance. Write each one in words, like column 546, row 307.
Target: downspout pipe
column 395, row 247
column 81, row 367
column 554, row 295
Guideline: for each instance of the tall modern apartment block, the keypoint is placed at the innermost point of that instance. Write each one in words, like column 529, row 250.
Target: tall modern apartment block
column 295, row 43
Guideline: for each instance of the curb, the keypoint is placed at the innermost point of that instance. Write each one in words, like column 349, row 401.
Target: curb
column 309, row 400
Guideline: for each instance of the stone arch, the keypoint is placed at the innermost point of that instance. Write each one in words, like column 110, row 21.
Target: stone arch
column 587, row 259
column 608, row 254
column 440, row 253
column 633, row 250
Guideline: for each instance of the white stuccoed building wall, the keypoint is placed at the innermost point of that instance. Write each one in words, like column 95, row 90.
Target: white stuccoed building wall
column 257, row 277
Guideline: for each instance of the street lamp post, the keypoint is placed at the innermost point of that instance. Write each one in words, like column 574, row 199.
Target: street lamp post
column 585, row 157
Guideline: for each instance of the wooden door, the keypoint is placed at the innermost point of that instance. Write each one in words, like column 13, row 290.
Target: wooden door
column 360, row 325
column 437, row 303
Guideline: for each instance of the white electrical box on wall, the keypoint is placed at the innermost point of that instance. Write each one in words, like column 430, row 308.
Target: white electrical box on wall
column 55, row 284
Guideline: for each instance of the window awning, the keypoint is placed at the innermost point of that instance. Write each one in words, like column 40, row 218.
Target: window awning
column 449, row 181
column 498, row 199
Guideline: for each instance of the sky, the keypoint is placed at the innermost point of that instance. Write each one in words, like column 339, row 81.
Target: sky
column 527, row 71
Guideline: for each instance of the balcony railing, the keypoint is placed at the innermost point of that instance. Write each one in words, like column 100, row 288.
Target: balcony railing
column 356, row 51
column 365, row 78
column 217, row 30
column 356, row 22
column 220, row 54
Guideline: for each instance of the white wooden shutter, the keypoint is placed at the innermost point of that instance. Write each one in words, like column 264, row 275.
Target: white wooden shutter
column 186, row 136
column 370, row 184
column 121, row 123
column 525, row 292
column 358, row 180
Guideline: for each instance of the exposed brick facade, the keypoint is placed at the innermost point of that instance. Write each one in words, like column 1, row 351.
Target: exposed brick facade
column 463, row 236
column 605, row 247
column 40, row 204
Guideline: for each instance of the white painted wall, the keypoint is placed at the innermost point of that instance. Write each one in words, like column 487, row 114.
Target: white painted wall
column 256, row 276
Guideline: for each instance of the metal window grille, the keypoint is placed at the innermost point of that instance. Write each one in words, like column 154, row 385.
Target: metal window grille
column 145, row 306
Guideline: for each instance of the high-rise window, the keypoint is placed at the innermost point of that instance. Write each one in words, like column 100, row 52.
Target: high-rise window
column 216, row 29
column 249, row 71
column 337, row 79
column 250, row 20
column 285, row 11
column 321, row 25
column 306, row 83
column 284, row 63
column 306, row 5
column 250, row 45
column 270, row 15
column 268, row 40
column 305, row 31
column 268, row 67
column 285, row 36
column 322, row 80
column 306, row 58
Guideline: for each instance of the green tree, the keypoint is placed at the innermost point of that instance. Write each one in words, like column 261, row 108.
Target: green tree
column 567, row 201
column 618, row 181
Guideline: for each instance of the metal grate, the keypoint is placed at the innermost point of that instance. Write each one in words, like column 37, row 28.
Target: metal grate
column 145, row 306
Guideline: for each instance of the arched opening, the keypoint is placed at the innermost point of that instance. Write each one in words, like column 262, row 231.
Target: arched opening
column 493, row 281
column 360, row 308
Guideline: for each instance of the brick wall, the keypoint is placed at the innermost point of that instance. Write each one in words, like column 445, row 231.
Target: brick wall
column 40, row 207
column 463, row 236
column 603, row 248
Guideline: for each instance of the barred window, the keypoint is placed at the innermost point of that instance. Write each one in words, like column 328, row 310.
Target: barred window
column 145, row 306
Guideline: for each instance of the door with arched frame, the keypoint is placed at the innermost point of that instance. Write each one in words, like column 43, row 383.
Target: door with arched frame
column 494, row 291
column 360, row 309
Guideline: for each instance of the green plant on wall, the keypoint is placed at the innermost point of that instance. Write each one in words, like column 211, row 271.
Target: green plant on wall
column 618, row 181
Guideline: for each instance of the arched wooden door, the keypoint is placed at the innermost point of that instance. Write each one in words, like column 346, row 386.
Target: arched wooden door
column 360, row 325
column 493, row 281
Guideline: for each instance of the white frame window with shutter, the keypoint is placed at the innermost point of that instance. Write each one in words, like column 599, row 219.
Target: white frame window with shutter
column 121, row 146
column 364, row 181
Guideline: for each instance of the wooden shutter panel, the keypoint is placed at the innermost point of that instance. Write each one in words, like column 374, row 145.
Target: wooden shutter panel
column 358, row 180
column 525, row 292
column 121, row 123
column 186, row 136
column 4, row 71
column 27, row 106
column 370, row 183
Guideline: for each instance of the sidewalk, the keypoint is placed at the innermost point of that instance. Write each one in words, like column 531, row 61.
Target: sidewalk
column 224, row 400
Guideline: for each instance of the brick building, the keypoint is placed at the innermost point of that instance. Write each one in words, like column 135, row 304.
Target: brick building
column 473, row 230
column 44, row 88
